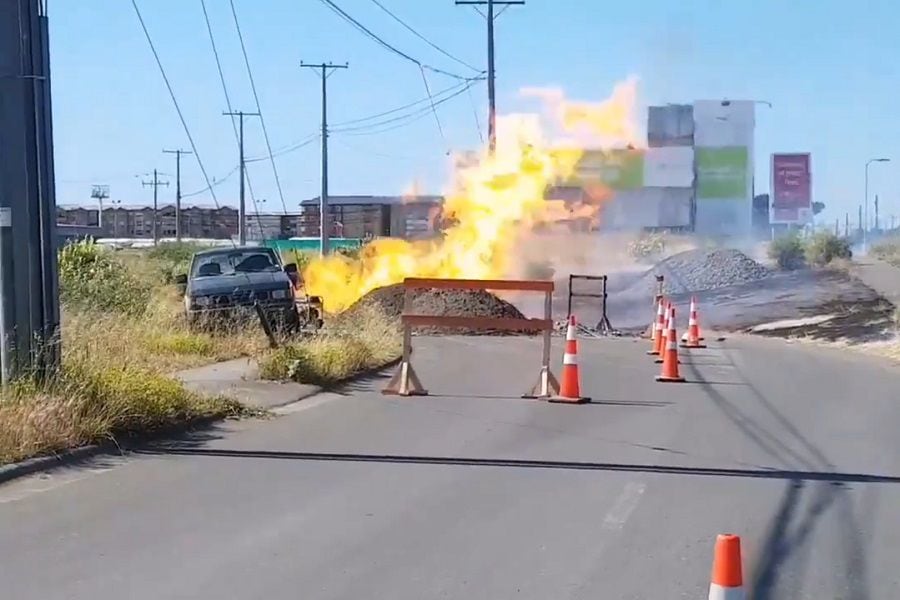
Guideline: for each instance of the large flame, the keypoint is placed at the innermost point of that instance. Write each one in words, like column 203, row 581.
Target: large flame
column 494, row 200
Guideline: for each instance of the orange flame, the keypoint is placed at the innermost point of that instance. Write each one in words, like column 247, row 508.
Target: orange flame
column 495, row 199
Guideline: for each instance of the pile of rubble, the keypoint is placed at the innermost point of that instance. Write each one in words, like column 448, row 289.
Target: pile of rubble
column 464, row 303
column 701, row 270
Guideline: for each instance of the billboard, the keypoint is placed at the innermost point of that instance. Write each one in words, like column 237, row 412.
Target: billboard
column 671, row 166
column 647, row 207
column 618, row 169
column 791, row 188
column 671, row 125
column 722, row 173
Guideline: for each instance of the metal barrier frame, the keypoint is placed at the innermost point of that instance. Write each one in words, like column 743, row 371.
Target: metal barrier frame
column 603, row 326
column 406, row 382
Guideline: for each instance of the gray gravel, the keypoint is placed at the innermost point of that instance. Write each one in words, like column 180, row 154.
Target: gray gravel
column 701, row 270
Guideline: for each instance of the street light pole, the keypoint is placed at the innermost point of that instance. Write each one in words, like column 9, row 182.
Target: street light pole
column 865, row 226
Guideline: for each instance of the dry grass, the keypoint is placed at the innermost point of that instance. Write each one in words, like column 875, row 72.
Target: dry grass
column 348, row 347
column 159, row 341
column 888, row 250
column 91, row 402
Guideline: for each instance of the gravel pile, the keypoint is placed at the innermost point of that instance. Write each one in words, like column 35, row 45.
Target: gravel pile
column 467, row 303
column 701, row 270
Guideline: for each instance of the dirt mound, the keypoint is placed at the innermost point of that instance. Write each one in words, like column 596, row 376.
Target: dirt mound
column 701, row 270
column 456, row 303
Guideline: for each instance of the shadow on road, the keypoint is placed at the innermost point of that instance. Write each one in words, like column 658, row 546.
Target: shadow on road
column 785, row 548
column 527, row 464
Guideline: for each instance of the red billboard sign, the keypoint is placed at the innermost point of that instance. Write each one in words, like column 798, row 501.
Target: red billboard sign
column 791, row 188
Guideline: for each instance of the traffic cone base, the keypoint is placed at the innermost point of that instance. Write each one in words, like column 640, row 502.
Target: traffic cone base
column 698, row 344
column 664, row 379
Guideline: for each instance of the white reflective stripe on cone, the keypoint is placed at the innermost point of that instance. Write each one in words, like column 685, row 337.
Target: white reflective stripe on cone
column 717, row 592
column 692, row 321
column 670, row 345
column 570, row 359
column 570, row 334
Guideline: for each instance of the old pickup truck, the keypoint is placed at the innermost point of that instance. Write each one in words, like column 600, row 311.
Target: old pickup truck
column 225, row 283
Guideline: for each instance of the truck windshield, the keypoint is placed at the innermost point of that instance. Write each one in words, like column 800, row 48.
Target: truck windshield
column 231, row 263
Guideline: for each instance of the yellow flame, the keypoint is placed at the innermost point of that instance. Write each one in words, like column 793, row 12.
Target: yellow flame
column 495, row 199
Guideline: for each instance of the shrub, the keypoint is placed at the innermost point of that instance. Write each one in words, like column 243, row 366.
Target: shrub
column 787, row 251
column 350, row 346
column 824, row 247
column 648, row 245
column 174, row 258
column 888, row 249
column 91, row 277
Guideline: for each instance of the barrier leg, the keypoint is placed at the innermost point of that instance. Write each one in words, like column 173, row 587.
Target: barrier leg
column 405, row 382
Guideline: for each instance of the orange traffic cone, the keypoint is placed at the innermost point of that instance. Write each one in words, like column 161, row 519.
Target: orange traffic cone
column 670, row 322
column 693, row 333
column 727, row 581
column 570, row 385
column 670, row 358
column 695, row 314
column 661, row 343
column 656, row 337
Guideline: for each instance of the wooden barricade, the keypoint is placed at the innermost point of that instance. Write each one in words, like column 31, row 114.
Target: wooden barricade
column 405, row 381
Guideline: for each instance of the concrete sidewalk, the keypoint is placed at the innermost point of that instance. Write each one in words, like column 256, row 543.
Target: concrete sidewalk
column 239, row 379
column 882, row 277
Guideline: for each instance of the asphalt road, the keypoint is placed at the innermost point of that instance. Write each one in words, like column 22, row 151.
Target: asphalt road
column 475, row 494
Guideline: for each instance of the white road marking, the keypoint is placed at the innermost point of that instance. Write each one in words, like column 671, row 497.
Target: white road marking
column 625, row 504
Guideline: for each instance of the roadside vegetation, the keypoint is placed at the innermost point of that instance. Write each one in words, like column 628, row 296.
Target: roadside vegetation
column 792, row 251
column 888, row 249
column 123, row 339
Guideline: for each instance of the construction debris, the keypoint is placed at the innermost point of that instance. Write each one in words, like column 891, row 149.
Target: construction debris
column 469, row 303
column 701, row 270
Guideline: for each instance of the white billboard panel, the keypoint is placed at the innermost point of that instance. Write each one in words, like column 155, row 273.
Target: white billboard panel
column 670, row 166
column 722, row 123
column 631, row 210
column 724, row 149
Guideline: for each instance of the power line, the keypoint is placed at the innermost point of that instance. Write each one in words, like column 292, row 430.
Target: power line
column 214, row 183
column 401, row 121
column 368, row 33
column 286, row 149
column 184, row 125
column 262, row 120
column 437, row 119
column 423, row 38
column 234, row 127
column 454, row 87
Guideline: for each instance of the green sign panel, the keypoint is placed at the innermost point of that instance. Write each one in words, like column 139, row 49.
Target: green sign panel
column 722, row 172
column 620, row 169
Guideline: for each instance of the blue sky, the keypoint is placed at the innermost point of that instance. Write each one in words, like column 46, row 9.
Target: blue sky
column 829, row 67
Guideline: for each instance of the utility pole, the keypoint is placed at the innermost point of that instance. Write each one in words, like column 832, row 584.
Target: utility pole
column 155, row 184
column 846, row 224
column 876, row 213
column 324, row 216
column 100, row 193
column 29, row 293
column 177, row 154
column 242, row 207
column 492, row 100
column 860, row 221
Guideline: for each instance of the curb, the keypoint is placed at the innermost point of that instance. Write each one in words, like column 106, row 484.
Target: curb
column 36, row 464
column 119, row 447
column 29, row 466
